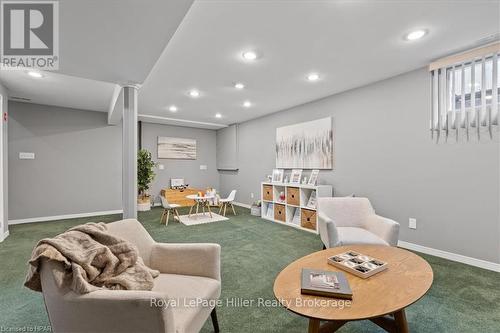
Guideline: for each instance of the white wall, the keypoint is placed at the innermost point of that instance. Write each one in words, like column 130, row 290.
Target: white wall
column 4, row 228
column 383, row 151
column 77, row 165
column 187, row 169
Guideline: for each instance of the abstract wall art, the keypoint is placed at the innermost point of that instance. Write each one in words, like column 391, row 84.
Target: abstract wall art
column 307, row 145
column 176, row 148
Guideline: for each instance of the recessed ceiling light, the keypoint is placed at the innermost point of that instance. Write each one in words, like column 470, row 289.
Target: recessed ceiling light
column 239, row 85
column 194, row 93
column 247, row 104
column 417, row 34
column 313, row 76
column 218, row 115
column 249, row 55
column 35, row 74
column 172, row 108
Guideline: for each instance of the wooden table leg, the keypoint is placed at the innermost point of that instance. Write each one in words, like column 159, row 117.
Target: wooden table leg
column 401, row 322
column 190, row 210
column 209, row 211
column 314, row 325
column 197, row 206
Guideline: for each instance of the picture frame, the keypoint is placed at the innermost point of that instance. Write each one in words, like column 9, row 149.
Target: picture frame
column 277, row 175
column 313, row 178
column 295, row 176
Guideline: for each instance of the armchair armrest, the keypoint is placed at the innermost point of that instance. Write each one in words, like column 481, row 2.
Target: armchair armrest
column 327, row 230
column 116, row 311
column 385, row 228
column 187, row 259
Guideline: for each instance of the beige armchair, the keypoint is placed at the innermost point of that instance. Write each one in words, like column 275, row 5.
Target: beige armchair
column 349, row 220
column 183, row 297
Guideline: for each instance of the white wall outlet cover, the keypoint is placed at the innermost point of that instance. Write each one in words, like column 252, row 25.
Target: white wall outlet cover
column 161, row 167
column 203, row 167
column 412, row 223
column 26, row 156
column 251, row 195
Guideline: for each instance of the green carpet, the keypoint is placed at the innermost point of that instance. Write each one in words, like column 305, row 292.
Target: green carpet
column 462, row 298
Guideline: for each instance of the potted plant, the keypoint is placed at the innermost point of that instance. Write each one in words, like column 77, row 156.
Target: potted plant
column 145, row 175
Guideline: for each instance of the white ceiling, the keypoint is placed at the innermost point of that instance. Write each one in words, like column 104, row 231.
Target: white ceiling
column 112, row 41
column 350, row 43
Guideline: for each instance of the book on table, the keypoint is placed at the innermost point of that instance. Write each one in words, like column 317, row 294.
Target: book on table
column 325, row 283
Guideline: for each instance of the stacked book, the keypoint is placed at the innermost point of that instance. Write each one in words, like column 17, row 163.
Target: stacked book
column 325, row 283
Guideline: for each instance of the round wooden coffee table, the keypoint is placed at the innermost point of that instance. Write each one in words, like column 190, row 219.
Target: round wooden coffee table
column 381, row 298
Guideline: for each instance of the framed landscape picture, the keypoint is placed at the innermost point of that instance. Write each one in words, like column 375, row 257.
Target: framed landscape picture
column 306, row 145
column 176, row 148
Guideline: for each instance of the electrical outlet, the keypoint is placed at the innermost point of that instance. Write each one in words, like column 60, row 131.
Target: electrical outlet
column 412, row 223
column 251, row 195
column 161, row 167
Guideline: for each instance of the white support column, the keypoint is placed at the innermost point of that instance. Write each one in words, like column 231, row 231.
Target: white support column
column 129, row 168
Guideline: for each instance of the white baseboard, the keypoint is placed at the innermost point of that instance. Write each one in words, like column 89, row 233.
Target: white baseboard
column 242, row 205
column 64, row 217
column 451, row 256
column 4, row 236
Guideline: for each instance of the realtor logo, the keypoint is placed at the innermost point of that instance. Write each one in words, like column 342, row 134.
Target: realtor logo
column 30, row 35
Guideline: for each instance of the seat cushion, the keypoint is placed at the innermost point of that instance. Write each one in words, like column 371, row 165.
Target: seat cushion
column 352, row 235
column 174, row 205
column 184, row 289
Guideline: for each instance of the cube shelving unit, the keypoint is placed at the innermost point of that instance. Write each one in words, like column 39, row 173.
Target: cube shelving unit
column 287, row 204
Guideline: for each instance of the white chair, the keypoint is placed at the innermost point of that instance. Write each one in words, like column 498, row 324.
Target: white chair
column 167, row 208
column 348, row 221
column 227, row 201
column 187, row 272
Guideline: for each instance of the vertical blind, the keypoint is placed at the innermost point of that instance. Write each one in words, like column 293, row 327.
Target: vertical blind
column 464, row 94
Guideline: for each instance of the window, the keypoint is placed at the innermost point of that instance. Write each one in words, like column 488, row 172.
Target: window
column 465, row 93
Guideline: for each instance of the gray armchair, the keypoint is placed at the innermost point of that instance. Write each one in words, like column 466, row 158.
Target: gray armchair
column 183, row 297
column 348, row 220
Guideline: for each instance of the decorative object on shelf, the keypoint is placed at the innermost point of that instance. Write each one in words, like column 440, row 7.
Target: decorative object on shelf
column 313, row 178
column 277, row 175
column 269, row 178
column 282, row 196
column 270, row 211
column 286, row 180
column 307, row 145
column 176, row 148
column 304, row 181
column 358, row 264
column 311, row 203
column 145, row 176
column 295, row 177
column 296, row 216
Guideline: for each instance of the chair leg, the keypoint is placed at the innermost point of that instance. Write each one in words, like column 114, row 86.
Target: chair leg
column 162, row 216
column 220, row 207
column 225, row 207
column 215, row 322
column 234, row 212
column 168, row 217
column 177, row 213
